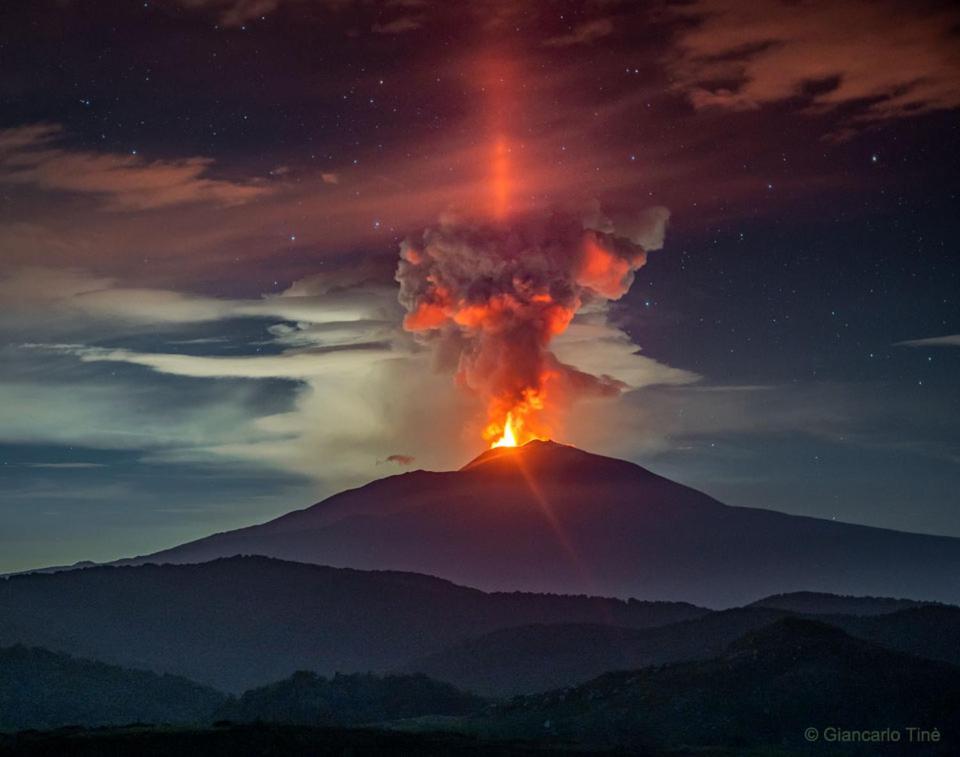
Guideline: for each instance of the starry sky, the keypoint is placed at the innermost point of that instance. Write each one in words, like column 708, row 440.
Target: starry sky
column 202, row 204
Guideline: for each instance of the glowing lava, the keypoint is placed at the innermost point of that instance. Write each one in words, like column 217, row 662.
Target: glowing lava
column 508, row 439
column 519, row 423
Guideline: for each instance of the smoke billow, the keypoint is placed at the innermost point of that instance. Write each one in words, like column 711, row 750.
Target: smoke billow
column 492, row 296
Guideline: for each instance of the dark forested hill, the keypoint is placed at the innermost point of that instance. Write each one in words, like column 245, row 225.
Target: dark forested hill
column 42, row 689
column 767, row 688
column 308, row 699
column 242, row 622
column 536, row 658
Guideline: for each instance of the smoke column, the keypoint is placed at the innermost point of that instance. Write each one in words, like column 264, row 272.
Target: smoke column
column 492, row 296
column 491, row 291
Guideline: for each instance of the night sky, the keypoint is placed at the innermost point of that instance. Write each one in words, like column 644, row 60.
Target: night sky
column 202, row 204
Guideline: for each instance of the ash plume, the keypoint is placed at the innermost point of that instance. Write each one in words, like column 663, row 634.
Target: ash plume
column 491, row 297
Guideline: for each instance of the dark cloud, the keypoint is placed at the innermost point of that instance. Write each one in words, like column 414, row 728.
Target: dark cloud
column 891, row 58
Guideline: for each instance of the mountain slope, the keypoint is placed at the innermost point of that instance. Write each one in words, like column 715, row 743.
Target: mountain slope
column 765, row 689
column 41, row 689
column 537, row 658
column 932, row 632
column 552, row 518
column 344, row 700
column 241, row 622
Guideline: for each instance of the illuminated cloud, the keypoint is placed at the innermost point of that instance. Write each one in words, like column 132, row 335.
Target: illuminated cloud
column 29, row 156
column 742, row 55
column 38, row 293
column 582, row 34
column 595, row 346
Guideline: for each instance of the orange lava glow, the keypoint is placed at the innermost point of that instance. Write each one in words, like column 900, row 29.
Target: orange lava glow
column 519, row 424
column 508, row 438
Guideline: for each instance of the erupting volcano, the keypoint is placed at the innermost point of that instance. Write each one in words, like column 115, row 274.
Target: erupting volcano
column 492, row 295
column 492, row 287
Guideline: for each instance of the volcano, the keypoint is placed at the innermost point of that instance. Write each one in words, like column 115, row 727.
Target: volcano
column 547, row 517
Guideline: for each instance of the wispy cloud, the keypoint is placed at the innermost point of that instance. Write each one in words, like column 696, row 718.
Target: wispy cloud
column 951, row 340
column 30, row 155
column 582, row 34
column 65, row 466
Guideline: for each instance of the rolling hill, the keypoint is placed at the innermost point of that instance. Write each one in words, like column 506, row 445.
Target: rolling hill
column 43, row 689
column 765, row 689
column 241, row 622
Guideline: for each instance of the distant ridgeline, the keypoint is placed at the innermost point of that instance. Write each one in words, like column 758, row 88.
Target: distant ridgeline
column 567, row 670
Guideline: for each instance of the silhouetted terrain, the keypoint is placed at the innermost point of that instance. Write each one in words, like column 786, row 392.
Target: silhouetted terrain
column 536, row 658
column 757, row 696
column 308, row 699
column 765, row 689
column 41, row 689
column 552, row 518
column 244, row 622
column 814, row 603
column 932, row 632
column 261, row 740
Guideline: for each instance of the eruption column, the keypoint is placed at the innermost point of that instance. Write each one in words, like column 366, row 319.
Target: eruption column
column 492, row 296
column 492, row 292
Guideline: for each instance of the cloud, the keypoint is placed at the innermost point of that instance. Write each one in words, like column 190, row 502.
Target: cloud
column 582, row 34
column 234, row 12
column 401, row 459
column 29, row 156
column 891, row 58
column 598, row 347
column 35, row 295
column 292, row 365
column 65, row 466
column 647, row 228
column 398, row 25
column 951, row 340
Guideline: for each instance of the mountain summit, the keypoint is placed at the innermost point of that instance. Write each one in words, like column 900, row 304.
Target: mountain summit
column 549, row 517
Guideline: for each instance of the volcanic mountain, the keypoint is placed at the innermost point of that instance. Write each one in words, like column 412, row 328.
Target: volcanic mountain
column 547, row 517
